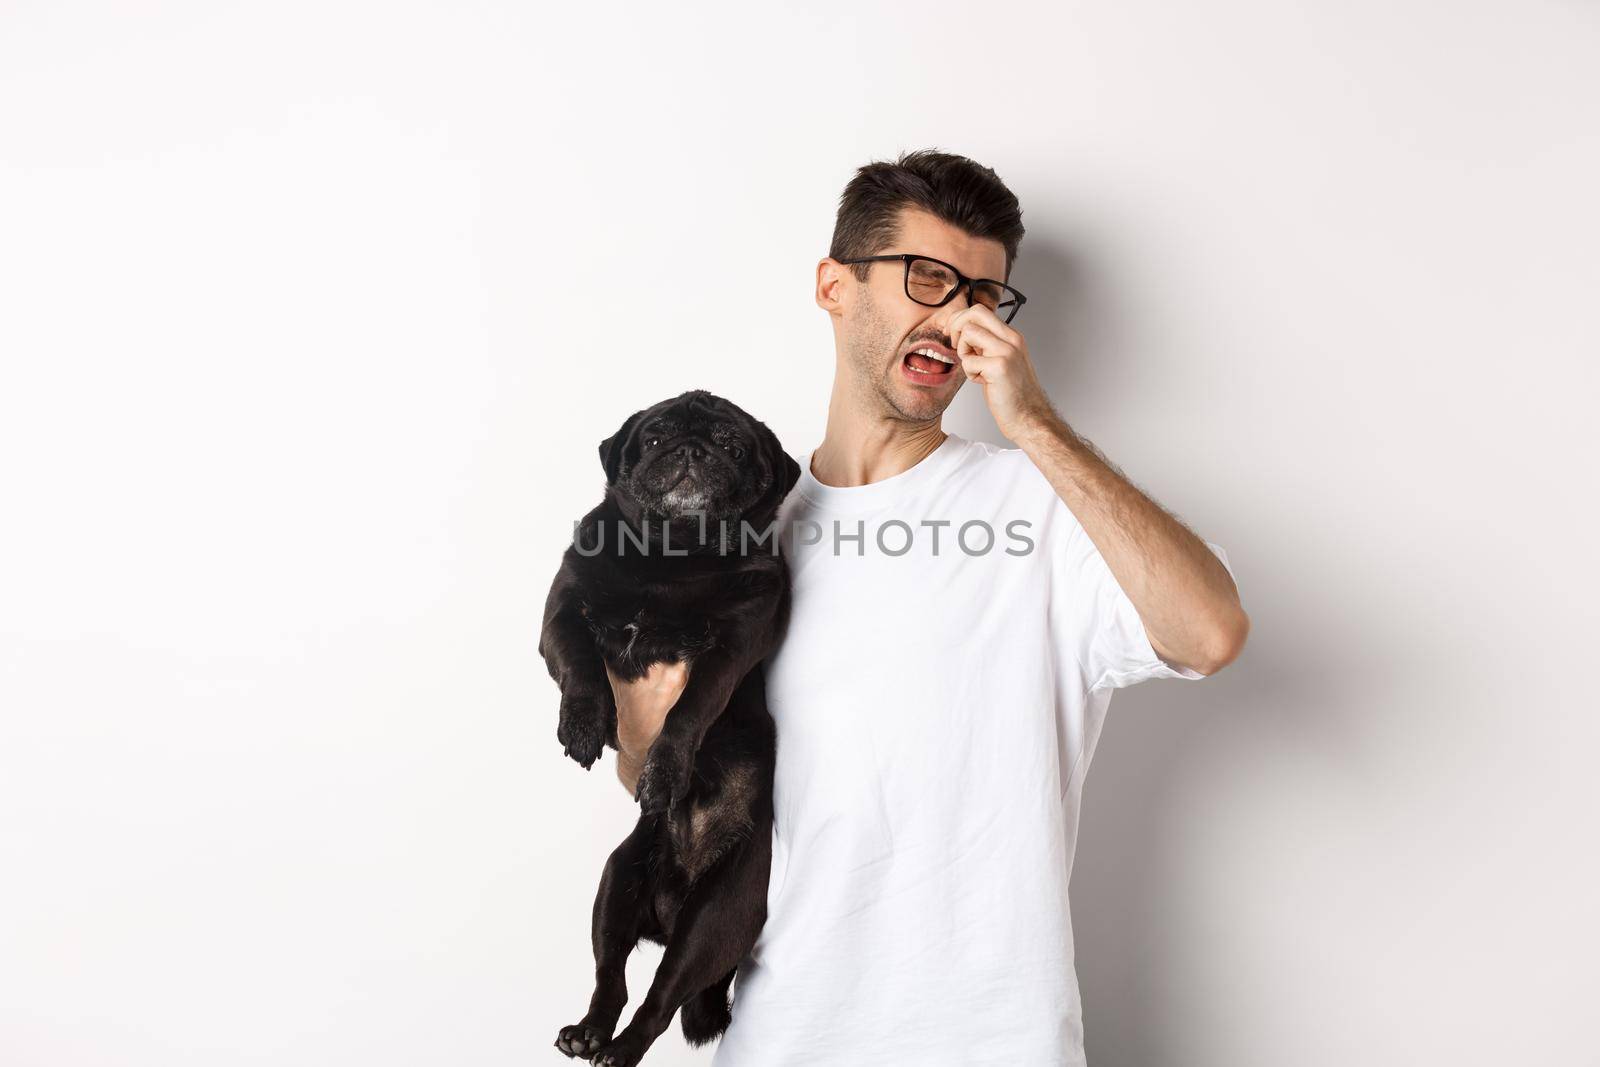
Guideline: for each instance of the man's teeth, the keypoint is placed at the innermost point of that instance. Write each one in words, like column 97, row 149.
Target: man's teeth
column 931, row 354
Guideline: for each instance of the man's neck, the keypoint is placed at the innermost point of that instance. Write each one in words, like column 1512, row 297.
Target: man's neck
column 858, row 452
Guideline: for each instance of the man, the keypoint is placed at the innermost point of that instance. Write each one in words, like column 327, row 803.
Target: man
column 940, row 689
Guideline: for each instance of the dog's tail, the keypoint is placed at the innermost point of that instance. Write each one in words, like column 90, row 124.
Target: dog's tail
column 705, row 1015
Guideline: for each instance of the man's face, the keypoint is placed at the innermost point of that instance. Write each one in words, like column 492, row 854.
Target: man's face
column 881, row 326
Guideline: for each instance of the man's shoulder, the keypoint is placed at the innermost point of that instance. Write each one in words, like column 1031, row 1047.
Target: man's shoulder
column 1000, row 455
column 1002, row 467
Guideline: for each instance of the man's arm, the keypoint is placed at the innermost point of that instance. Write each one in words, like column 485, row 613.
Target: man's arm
column 642, row 708
column 1185, row 596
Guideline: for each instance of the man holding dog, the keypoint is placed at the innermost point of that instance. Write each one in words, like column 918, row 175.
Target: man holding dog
column 937, row 706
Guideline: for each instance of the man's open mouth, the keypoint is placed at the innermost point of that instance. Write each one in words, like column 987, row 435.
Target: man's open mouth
column 929, row 361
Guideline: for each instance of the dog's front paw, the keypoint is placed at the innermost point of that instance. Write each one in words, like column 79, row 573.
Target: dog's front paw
column 664, row 780
column 582, row 729
column 581, row 1040
column 626, row 1051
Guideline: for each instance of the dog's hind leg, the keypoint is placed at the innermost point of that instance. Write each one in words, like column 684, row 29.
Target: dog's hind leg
column 717, row 925
column 618, row 921
column 705, row 1015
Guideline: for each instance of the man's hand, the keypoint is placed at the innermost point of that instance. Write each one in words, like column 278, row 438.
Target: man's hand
column 642, row 707
column 996, row 357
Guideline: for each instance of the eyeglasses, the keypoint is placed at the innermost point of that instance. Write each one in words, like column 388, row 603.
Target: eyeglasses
column 934, row 283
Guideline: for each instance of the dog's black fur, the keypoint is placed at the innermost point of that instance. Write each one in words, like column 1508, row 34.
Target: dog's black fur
column 693, row 873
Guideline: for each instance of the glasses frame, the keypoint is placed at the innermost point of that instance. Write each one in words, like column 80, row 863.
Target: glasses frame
column 962, row 281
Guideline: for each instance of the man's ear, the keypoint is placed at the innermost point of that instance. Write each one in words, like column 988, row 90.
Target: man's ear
column 611, row 448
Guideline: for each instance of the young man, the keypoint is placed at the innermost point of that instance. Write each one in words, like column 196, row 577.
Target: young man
column 961, row 616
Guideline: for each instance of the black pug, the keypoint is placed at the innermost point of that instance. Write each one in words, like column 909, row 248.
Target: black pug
column 687, row 569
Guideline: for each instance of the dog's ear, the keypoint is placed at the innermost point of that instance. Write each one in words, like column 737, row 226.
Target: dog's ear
column 791, row 471
column 785, row 470
column 611, row 448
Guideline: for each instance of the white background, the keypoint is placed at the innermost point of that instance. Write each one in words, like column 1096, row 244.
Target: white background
column 312, row 316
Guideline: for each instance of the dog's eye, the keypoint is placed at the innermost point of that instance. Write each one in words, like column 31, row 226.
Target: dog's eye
column 734, row 450
column 652, row 442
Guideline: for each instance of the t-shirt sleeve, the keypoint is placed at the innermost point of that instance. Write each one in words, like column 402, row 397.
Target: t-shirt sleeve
column 1108, row 636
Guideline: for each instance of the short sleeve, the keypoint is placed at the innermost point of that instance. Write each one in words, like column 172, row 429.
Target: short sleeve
column 1102, row 625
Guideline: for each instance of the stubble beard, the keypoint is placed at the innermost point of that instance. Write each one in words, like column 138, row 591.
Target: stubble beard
column 880, row 388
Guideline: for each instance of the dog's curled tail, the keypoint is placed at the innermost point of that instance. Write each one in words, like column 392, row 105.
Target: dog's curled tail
column 706, row 1014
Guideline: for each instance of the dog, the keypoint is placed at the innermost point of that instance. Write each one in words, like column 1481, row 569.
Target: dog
column 680, row 565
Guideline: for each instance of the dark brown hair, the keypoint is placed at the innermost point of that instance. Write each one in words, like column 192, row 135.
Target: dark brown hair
column 965, row 194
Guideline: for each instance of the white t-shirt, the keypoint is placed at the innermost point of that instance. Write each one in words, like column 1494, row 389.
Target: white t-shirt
column 936, row 711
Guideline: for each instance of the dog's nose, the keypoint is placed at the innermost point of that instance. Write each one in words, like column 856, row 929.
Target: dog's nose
column 690, row 450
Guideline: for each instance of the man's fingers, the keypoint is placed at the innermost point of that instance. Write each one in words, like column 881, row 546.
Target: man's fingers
column 977, row 340
column 979, row 317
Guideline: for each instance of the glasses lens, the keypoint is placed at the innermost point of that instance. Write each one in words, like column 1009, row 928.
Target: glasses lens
column 990, row 294
column 998, row 298
column 930, row 283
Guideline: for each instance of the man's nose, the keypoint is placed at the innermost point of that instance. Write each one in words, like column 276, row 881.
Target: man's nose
column 957, row 304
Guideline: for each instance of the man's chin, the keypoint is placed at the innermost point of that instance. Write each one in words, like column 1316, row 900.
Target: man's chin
column 922, row 401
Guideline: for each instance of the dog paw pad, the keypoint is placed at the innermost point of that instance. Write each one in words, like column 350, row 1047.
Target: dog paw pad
column 580, row 1040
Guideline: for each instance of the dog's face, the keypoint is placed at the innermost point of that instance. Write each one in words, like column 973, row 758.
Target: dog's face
column 698, row 454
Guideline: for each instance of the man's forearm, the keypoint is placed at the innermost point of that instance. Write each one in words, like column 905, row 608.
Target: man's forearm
column 1183, row 593
column 642, row 708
